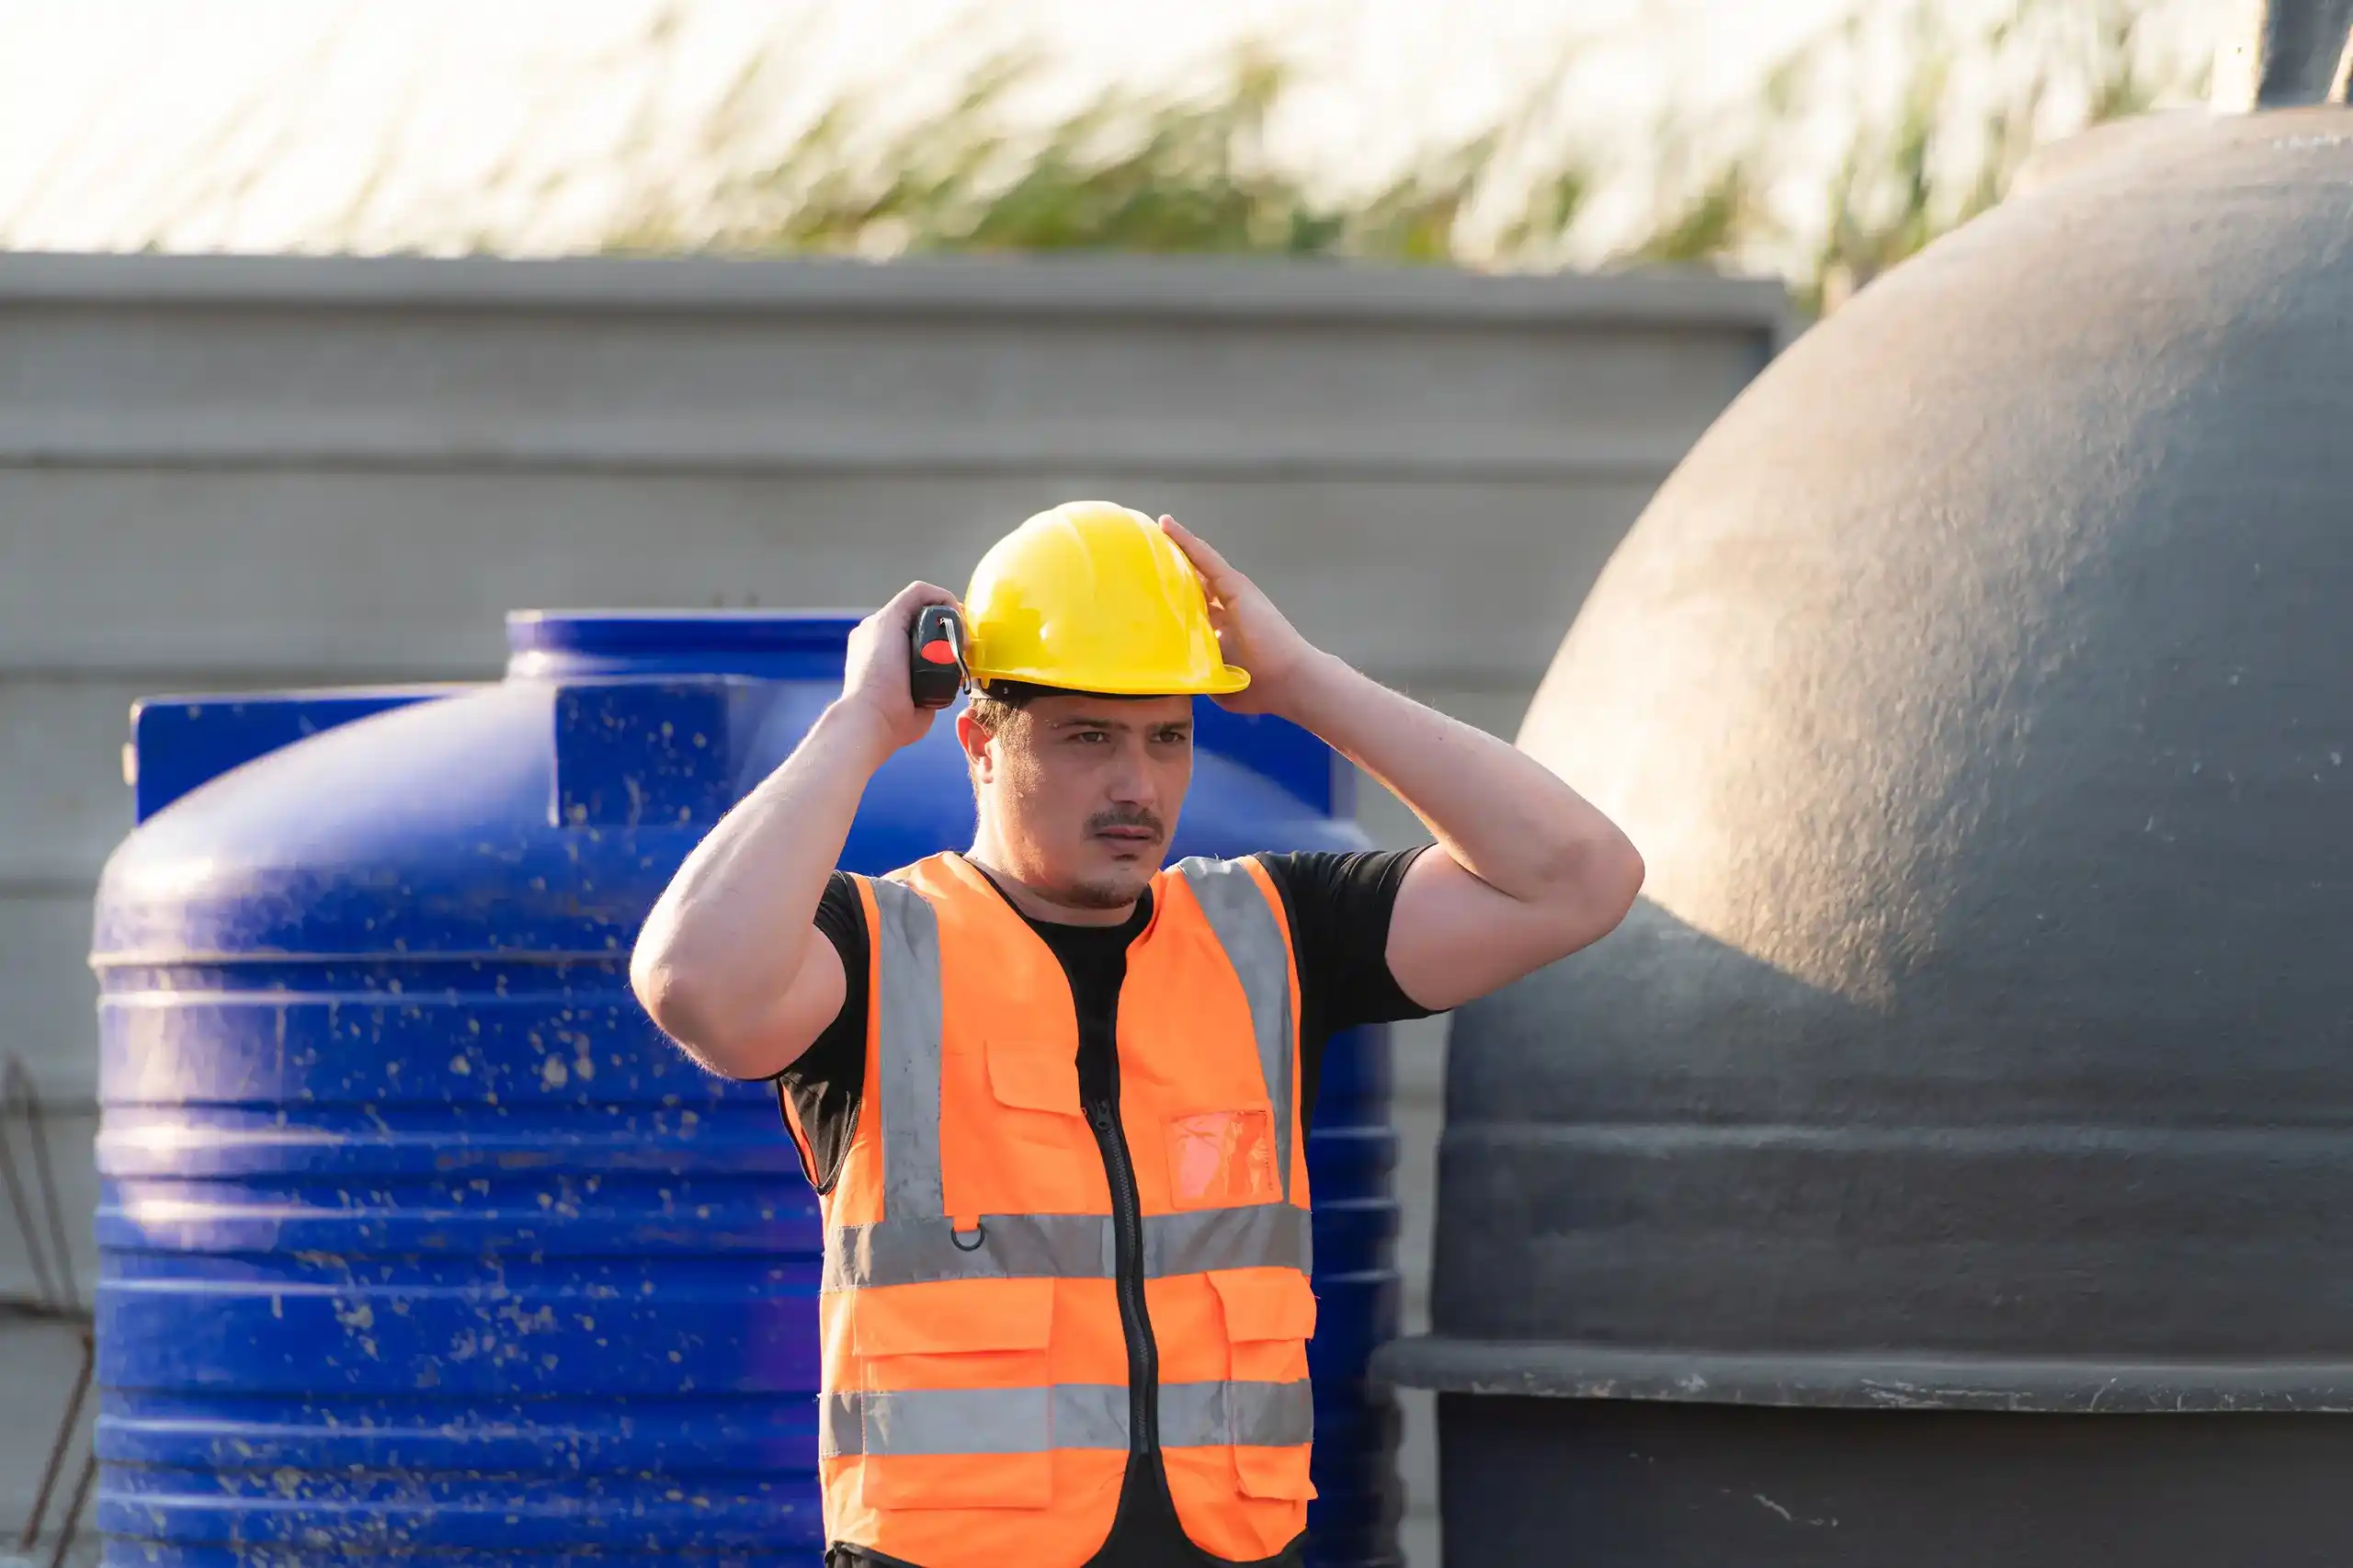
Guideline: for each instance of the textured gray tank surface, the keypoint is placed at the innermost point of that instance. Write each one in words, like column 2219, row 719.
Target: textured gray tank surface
column 1980, row 692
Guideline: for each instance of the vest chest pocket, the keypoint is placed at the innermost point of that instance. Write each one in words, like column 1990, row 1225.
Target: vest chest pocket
column 1033, row 1077
column 956, row 1410
column 1222, row 1159
column 1023, row 1075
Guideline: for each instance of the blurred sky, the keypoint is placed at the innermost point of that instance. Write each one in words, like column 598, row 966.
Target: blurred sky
column 367, row 124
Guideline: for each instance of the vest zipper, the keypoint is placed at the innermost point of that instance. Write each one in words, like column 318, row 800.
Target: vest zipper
column 1127, row 1216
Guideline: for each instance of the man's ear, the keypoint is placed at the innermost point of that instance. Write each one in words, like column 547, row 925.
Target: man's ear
column 975, row 740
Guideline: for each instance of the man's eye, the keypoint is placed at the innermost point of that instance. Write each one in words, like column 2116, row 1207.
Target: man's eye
column 1089, row 736
column 1177, row 737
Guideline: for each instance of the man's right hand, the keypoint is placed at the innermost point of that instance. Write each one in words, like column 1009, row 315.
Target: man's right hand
column 730, row 963
column 875, row 678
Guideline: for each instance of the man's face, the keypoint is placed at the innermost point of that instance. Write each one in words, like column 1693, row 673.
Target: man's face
column 1082, row 792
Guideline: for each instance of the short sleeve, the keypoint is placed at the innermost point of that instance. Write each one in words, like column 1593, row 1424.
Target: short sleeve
column 1339, row 905
column 826, row 1080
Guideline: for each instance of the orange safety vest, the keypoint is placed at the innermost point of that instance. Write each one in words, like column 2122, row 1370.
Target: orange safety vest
column 977, row 1406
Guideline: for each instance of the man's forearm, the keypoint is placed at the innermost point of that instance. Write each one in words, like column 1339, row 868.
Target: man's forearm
column 1505, row 817
column 725, row 940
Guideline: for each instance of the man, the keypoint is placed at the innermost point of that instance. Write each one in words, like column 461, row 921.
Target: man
column 1054, row 1097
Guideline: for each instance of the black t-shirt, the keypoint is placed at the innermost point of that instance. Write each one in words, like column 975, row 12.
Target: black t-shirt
column 1339, row 906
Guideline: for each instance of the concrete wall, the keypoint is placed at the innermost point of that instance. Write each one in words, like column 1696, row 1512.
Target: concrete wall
column 223, row 473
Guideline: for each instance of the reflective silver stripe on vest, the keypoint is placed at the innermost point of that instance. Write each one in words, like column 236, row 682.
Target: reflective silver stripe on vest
column 1066, row 1247
column 916, row 1251
column 907, row 1031
column 1247, row 929
column 1258, row 1236
column 958, row 1421
column 1200, row 1416
column 1066, row 1416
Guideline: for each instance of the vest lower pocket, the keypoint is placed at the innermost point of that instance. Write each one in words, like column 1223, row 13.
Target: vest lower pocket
column 1270, row 1316
column 956, row 1320
column 955, row 1410
column 1273, row 1472
column 924, row 1451
column 999, row 1481
column 1270, row 1422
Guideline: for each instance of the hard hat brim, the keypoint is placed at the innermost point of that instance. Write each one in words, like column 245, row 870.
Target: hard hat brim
column 1226, row 682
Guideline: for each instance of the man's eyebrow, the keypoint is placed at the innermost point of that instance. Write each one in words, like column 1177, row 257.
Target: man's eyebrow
column 1086, row 722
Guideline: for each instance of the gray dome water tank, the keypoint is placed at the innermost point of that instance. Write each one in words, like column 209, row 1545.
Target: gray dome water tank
column 1951, row 1161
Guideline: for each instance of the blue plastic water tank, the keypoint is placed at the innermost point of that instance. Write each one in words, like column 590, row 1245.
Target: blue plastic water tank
column 417, row 1238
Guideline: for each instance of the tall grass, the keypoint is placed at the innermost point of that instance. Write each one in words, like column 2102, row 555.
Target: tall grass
column 1933, row 116
column 1161, row 170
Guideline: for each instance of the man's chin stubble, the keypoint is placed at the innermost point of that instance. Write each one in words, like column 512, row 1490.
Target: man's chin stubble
column 1102, row 895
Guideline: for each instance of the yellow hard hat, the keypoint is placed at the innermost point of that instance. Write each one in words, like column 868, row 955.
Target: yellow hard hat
column 1093, row 596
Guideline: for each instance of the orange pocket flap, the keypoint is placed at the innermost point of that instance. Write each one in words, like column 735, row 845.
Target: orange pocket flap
column 936, row 1320
column 1033, row 1077
column 1274, row 1473
column 1264, row 1303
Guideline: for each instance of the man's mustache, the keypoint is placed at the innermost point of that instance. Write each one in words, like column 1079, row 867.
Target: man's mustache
column 1139, row 817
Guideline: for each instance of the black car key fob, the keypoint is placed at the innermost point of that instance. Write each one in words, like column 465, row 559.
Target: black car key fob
column 935, row 657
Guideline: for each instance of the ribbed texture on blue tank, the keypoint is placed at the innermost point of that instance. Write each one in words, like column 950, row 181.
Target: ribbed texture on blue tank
column 418, row 1240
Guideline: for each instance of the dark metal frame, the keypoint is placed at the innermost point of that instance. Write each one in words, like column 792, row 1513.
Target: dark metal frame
column 57, row 1296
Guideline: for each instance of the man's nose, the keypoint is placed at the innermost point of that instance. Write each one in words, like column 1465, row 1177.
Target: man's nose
column 1131, row 782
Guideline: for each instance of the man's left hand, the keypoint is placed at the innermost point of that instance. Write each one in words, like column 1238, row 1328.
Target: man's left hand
column 1252, row 633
